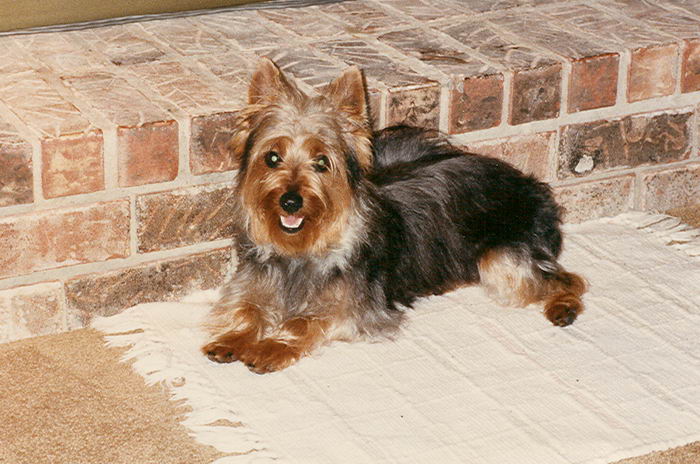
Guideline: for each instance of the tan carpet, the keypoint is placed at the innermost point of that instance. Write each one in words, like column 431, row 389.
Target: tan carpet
column 66, row 399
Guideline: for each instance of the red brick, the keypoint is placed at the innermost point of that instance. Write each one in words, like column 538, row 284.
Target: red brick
column 16, row 185
column 61, row 52
column 62, row 237
column 415, row 107
column 481, row 6
column 618, row 31
column 40, row 106
column 71, row 145
column 116, row 99
column 31, row 310
column 592, row 200
column 362, row 17
column 690, row 67
column 593, row 82
column 672, row 21
column 374, row 62
column 529, row 153
column 490, row 42
column 652, row 72
column 232, row 68
column 433, row 50
column 193, row 92
column 245, row 28
column 671, row 188
column 72, row 164
column 478, row 105
column 423, row 10
column 306, row 22
column 183, row 35
column 148, row 153
column 147, row 136
column 185, row 216
column 374, row 102
column 536, row 94
column 209, row 143
column 306, row 65
column 627, row 142
column 106, row 294
column 123, row 45
column 537, row 29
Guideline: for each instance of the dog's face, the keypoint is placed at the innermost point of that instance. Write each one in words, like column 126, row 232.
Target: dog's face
column 300, row 160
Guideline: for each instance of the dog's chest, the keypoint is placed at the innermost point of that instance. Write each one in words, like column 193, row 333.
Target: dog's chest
column 301, row 283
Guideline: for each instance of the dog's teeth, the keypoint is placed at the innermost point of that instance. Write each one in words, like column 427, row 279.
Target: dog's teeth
column 291, row 222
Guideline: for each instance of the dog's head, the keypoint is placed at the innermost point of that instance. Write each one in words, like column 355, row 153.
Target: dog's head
column 300, row 159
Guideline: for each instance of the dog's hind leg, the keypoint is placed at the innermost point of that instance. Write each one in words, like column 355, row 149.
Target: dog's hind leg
column 513, row 278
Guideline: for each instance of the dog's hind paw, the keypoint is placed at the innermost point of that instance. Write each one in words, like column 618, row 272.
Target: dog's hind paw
column 562, row 310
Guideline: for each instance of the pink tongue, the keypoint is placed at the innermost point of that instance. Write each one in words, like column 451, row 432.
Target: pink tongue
column 291, row 222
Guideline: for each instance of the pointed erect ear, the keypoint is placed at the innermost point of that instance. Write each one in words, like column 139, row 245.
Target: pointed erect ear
column 347, row 93
column 237, row 143
column 269, row 84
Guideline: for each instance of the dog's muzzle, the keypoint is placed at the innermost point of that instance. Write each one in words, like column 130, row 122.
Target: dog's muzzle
column 291, row 202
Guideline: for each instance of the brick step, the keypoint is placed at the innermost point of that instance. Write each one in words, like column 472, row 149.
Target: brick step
column 112, row 140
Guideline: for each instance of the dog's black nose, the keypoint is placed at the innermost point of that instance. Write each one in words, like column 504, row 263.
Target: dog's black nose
column 291, row 202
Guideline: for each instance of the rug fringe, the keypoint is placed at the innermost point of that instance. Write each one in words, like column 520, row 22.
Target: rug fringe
column 671, row 230
column 212, row 419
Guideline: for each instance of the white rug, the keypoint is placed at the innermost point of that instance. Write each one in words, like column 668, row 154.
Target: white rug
column 467, row 382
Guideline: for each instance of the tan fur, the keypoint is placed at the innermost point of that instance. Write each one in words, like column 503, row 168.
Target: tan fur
column 562, row 300
column 300, row 130
column 509, row 280
column 347, row 93
column 247, row 334
column 514, row 281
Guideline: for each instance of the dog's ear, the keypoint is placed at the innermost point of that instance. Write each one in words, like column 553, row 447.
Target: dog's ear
column 347, row 94
column 237, row 142
column 242, row 128
column 269, row 84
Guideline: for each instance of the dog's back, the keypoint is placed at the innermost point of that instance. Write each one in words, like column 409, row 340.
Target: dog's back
column 463, row 213
column 487, row 202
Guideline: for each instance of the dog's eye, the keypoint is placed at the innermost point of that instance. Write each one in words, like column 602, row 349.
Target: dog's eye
column 321, row 164
column 272, row 159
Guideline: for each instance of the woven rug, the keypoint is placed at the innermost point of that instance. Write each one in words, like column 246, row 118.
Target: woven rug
column 467, row 381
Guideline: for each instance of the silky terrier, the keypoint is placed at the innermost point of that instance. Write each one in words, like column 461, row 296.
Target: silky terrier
column 340, row 229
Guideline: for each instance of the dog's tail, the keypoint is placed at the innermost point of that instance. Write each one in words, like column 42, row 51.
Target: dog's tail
column 515, row 278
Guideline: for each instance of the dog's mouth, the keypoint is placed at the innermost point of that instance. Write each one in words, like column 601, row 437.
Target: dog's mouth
column 291, row 224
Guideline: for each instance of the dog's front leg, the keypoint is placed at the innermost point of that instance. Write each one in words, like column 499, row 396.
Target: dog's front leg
column 237, row 327
column 294, row 339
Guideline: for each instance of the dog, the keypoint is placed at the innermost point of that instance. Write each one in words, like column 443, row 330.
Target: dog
column 340, row 229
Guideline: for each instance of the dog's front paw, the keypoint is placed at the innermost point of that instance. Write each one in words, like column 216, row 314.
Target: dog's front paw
column 227, row 348
column 219, row 352
column 269, row 356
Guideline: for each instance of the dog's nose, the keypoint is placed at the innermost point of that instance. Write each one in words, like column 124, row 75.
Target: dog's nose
column 291, row 202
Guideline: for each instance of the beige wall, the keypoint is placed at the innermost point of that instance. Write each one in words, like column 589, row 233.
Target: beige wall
column 23, row 14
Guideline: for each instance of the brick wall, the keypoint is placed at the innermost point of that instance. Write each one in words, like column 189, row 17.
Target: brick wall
column 114, row 181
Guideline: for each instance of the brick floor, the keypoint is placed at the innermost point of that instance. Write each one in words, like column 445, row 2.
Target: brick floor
column 113, row 141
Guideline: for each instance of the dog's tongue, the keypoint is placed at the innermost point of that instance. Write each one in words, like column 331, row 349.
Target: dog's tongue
column 291, row 222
